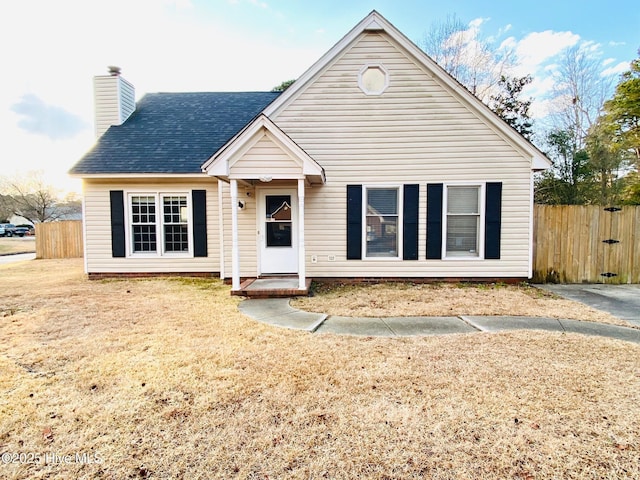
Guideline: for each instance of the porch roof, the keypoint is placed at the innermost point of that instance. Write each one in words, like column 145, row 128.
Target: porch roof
column 292, row 162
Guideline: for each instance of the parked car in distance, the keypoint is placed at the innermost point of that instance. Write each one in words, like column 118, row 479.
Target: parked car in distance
column 7, row 229
column 21, row 231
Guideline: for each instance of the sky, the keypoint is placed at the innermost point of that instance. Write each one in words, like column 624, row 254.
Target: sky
column 52, row 49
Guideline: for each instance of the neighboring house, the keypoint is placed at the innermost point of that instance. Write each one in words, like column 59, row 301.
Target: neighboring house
column 375, row 163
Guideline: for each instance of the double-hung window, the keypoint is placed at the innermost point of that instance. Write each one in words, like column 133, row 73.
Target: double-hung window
column 143, row 223
column 382, row 222
column 159, row 223
column 463, row 221
column 176, row 230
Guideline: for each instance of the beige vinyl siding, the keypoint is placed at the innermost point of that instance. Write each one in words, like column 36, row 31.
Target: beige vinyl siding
column 265, row 158
column 417, row 131
column 98, row 228
column 247, row 236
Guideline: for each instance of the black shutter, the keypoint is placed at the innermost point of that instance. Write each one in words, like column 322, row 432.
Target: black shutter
column 354, row 222
column 199, row 205
column 410, row 222
column 434, row 220
column 116, row 198
column 492, row 220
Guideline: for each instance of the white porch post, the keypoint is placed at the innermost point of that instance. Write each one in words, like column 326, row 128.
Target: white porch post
column 302, row 280
column 220, row 226
column 235, row 249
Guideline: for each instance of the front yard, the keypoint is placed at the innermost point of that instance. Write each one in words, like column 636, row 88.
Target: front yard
column 11, row 245
column 446, row 299
column 164, row 378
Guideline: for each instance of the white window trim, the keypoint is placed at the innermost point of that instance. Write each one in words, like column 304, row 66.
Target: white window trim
column 160, row 246
column 400, row 189
column 445, row 220
column 361, row 82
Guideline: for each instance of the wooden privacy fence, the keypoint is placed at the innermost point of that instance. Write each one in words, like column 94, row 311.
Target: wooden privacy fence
column 59, row 239
column 586, row 244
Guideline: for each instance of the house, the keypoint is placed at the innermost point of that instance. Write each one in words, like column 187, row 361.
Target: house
column 375, row 163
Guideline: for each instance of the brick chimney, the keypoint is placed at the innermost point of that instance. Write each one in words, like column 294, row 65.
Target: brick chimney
column 115, row 100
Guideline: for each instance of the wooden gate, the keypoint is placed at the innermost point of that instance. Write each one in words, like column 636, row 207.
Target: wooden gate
column 586, row 244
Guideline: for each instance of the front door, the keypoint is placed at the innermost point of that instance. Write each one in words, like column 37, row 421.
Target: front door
column 277, row 231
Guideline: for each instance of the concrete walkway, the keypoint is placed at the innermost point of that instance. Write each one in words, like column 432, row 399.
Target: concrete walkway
column 277, row 311
column 16, row 257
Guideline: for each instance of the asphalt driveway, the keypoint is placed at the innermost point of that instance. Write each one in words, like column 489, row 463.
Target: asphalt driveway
column 623, row 301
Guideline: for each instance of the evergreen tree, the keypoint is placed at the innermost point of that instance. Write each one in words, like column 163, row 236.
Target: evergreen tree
column 510, row 107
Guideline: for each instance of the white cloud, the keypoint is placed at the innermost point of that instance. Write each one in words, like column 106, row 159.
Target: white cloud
column 476, row 22
column 616, row 69
column 608, row 61
column 538, row 47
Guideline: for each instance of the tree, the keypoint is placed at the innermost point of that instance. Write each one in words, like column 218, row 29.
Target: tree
column 631, row 189
column 604, row 164
column 283, row 86
column 466, row 56
column 32, row 198
column 564, row 183
column 583, row 170
column 613, row 142
column 510, row 107
column 579, row 93
column 6, row 211
column 623, row 110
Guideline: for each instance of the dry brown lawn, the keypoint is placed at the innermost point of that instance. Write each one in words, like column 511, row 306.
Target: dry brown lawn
column 164, row 378
column 17, row 245
column 445, row 299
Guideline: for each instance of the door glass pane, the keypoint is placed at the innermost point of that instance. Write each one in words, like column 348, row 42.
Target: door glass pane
column 278, row 207
column 278, row 220
column 278, row 234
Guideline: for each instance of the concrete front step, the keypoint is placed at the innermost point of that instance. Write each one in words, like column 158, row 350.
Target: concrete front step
column 272, row 287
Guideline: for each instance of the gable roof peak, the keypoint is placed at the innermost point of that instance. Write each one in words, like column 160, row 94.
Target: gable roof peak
column 375, row 22
column 371, row 22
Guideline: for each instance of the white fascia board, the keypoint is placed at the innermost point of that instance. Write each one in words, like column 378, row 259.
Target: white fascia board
column 540, row 162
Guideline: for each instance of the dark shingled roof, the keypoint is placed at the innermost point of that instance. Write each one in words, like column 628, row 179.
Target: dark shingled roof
column 173, row 132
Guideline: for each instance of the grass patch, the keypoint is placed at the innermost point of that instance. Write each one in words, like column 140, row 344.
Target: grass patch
column 164, row 378
column 445, row 299
column 14, row 245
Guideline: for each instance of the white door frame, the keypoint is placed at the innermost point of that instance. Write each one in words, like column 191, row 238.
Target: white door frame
column 286, row 258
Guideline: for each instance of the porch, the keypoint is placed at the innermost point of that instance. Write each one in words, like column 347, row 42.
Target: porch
column 272, row 287
column 276, row 172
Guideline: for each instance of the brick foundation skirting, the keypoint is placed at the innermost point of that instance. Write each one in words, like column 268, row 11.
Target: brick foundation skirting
column 104, row 275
